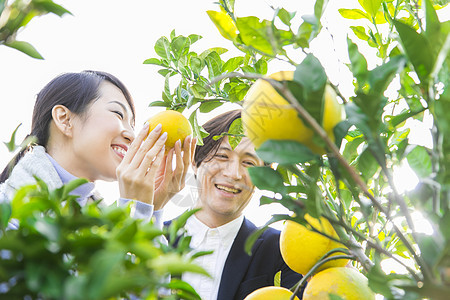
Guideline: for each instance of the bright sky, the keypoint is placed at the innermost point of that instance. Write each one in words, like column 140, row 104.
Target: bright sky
column 117, row 36
column 113, row 36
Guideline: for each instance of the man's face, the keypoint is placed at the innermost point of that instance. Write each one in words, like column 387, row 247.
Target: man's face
column 224, row 184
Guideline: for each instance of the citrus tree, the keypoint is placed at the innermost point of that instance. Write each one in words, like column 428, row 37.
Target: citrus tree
column 343, row 175
column 15, row 15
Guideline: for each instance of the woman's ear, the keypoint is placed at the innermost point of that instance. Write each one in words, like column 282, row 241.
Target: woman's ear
column 62, row 117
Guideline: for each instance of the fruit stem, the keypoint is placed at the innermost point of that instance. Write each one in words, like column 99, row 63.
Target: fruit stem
column 296, row 288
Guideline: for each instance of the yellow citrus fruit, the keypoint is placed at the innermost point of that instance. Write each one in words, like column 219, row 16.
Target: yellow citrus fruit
column 270, row 293
column 174, row 123
column 301, row 248
column 267, row 115
column 347, row 283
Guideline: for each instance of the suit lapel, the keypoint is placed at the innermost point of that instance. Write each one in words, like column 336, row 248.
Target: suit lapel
column 237, row 262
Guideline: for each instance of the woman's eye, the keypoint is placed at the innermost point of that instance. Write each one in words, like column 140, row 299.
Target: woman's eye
column 120, row 114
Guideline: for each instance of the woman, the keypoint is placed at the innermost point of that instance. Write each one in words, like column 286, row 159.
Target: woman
column 83, row 125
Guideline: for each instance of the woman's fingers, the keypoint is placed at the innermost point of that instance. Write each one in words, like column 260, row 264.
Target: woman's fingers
column 149, row 154
column 136, row 144
column 146, row 146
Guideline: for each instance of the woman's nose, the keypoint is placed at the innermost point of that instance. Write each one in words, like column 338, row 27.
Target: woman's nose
column 128, row 134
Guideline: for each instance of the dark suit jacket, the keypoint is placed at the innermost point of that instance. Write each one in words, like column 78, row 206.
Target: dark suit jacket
column 242, row 274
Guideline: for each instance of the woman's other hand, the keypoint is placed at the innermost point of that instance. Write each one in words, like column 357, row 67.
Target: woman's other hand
column 137, row 172
column 169, row 180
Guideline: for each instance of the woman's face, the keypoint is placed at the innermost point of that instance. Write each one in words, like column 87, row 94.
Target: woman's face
column 102, row 135
column 224, row 183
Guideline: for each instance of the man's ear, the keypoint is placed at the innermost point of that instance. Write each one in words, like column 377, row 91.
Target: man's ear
column 63, row 119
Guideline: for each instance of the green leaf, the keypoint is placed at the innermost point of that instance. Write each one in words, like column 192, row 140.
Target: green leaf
column 177, row 284
column 159, row 104
column 199, row 132
column 232, row 64
column 5, row 215
column 304, row 35
column 360, row 32
column 224, row 23
column 353, row 14
column 285, row 16
column 253, row 32
column 209, row 105
column 284, row 152
column 254, row 236
column 261, row 66
column 319, row 8
column 432, row 24
column 367, row 164
column 162, row 47
column 50, row 6
column 11, row 145
column 380, row 77
column 214, row 64
column 418, row 49
column 420, row 161
column 266, row 178
column 236, row 130
column 277, row 279
column 316, row 78
column 175, row 264
column 194, row 37
column 371, row 6
column 180, row 46
column 153, row 61
column 24, row 47
column 358, row 63
column 196, row 65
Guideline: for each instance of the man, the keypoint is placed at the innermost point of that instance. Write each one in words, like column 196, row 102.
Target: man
column 225, row 189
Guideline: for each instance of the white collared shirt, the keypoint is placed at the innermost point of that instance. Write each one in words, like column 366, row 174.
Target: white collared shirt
column 219, row 240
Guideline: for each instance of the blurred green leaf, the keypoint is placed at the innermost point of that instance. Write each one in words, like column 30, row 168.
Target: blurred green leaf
column 353, row 14
column 284, row 152
column 418, row 49
column 11, row 145
column 277, row 279
column 358, row 63
column 253, row 32
column 24, row 47
column 420, row 161
column 237, row 131
column 285, row 16
column 266, row 178
column 371, row 6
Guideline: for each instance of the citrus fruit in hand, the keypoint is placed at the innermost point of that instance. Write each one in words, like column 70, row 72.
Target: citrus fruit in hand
column 267, row 115
column 174, row 123
column 347, row 283
column 270, row 293
column 301, row 247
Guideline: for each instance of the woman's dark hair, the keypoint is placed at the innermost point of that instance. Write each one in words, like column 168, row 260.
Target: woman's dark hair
column 76, row 91
column 215, row 127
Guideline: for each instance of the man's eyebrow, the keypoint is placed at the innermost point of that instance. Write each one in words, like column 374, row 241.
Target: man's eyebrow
column 246, row 153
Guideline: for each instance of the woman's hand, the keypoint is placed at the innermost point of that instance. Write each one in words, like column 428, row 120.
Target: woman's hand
column 170, row 181
column 136, row 173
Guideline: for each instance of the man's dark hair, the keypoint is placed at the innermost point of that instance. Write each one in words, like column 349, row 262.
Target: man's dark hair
column 214, row 127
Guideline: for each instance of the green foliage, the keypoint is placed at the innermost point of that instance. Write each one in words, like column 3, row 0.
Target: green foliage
column 353, row 187
column 63, row 251
column 15, row 15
